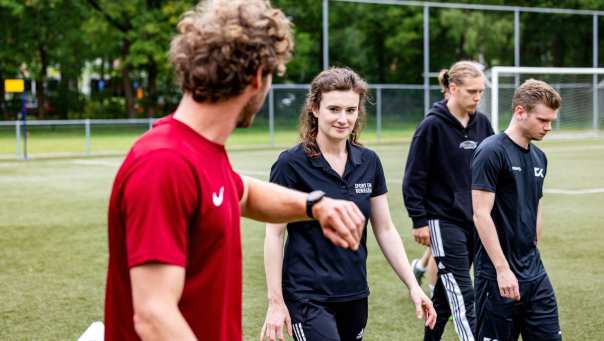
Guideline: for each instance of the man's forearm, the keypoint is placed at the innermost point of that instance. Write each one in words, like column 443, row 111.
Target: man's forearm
column 273, row 203
column 156, row 291
column 539, row 223
column 155, row 322
column 488, row 236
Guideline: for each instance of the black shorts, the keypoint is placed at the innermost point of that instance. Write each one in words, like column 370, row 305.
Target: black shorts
column 340, row 321
column 535, row 316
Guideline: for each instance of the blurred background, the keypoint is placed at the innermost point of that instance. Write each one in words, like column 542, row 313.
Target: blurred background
column 96, row 71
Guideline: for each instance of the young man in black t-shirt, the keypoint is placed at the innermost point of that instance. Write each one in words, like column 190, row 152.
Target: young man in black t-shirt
column 513, row 293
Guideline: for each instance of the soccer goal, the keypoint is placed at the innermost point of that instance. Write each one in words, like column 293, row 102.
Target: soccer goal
column 581, row 89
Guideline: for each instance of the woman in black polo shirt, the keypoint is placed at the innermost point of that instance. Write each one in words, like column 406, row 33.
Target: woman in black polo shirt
column 323, row 288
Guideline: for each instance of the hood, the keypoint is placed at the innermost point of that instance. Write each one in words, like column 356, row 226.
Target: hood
column 440, row 110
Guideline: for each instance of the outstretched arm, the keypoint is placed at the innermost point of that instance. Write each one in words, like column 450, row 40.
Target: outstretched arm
column 342, row 221
column 482, row 202
column 393, row 249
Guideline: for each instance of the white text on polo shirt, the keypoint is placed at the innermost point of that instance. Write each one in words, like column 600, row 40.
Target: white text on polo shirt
column 362, row 187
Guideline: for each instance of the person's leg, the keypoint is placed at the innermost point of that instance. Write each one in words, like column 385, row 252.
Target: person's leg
column 420, row 265
column 494, row 314
column 443, row 312
column 453, row 251
column 541, row 322
column 432, row 274
column 351, row 319
column 313, row 321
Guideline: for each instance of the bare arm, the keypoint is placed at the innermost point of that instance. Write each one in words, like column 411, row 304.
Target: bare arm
column 390, row 241
column 482, row 203
column 539, row 222
column 272, row 203
column 393, row 249
column 156, row 290
column 277, row 313
column 341, row 221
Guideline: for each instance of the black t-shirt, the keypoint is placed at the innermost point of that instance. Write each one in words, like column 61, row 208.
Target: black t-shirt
column 314, row 268
column 516, row 177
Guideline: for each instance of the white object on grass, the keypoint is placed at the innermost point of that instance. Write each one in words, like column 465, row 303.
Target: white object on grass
column 95, row 332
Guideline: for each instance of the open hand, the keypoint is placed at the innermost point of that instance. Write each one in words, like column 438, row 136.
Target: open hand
column 423, row 307
column 276, row 316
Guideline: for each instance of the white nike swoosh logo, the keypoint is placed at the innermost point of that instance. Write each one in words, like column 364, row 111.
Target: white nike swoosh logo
column 217, row 199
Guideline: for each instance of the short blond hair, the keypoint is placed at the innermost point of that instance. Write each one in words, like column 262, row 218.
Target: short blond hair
column 533, row 92
column 221, row 44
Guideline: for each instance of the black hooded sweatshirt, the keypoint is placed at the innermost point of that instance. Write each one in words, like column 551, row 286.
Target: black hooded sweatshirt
column 438, row 178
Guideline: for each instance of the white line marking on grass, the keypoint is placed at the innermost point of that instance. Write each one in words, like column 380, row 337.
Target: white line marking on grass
column 572, row 148
column 97, row 163
column 574, row 191
column 547, row 190
column 251, row 172
column 117, row 163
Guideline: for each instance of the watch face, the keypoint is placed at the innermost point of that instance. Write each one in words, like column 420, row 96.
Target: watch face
column 315, row 195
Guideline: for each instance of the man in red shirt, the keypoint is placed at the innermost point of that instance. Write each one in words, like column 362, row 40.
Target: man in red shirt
column 174, row 215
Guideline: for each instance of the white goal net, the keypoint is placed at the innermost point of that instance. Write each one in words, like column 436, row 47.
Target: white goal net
column 581, row 89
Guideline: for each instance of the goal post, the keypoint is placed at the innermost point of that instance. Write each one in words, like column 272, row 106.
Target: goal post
column 578, row 88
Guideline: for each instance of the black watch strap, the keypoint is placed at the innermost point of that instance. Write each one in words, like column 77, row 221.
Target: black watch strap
column 313, row 198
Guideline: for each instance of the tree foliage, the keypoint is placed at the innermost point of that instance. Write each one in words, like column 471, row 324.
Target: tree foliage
column 126, row 42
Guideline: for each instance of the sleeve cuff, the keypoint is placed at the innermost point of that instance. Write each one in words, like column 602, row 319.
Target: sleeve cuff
column 483, row 188
column 144, row 258
column 419, row 222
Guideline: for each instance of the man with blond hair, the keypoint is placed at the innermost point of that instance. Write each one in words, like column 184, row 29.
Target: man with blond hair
column 513, row 293
column 175, row 263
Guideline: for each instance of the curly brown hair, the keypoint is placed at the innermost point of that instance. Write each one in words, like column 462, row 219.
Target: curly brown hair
column 221, row 44
column 332, row 79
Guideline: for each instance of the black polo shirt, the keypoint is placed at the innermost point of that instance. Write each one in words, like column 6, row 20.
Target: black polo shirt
column 313, row 268
column 516, row 176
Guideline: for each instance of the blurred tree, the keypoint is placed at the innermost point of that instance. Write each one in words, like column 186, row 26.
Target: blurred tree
column 144, row 29
column 42, row 31
column 307, row 60
column 127, row 41
column 10, row 57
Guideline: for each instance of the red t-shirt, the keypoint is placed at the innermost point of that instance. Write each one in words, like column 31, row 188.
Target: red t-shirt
column 175, row 200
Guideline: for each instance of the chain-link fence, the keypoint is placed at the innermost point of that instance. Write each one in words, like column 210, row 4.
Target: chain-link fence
column 393, row 112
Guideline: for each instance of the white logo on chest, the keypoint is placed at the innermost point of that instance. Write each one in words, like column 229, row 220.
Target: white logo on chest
column 362, row 188
column 217, row 199
column 539, row 172
column 468, row 144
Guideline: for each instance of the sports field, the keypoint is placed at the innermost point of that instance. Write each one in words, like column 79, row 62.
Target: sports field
column 53, row 244
column 70, row 140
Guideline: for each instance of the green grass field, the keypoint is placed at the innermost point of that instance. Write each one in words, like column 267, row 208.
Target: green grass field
column 53, row 244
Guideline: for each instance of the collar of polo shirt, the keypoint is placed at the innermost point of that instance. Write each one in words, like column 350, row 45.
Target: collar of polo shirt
column 354, row 155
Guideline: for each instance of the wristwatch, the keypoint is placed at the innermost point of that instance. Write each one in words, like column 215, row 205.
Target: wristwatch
column 313, row 198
